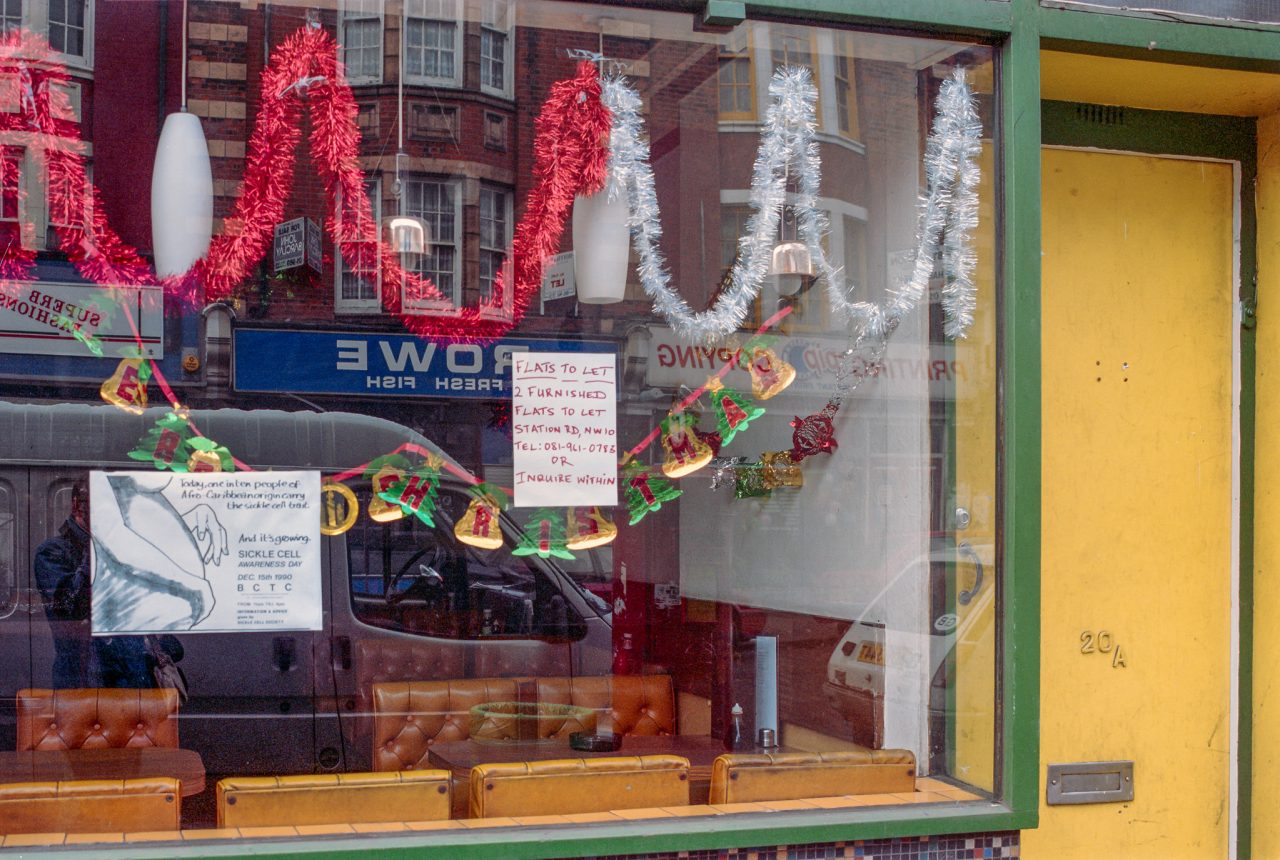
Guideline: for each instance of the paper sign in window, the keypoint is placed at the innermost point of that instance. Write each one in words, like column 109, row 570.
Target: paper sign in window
column 564, row 423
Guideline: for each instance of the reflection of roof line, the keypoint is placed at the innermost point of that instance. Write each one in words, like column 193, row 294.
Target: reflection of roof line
column 94, row 436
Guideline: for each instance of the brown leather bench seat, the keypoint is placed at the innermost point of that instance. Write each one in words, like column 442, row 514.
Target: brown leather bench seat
column 95, row 718
column 91, row 806
column 411, row 716
column 748, row 777
column 346, row 798
column 566, row 786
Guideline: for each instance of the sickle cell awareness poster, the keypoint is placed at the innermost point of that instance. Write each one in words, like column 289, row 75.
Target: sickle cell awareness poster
column 211, row 552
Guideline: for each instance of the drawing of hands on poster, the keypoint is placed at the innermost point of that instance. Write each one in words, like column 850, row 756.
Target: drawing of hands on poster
column 164, row 559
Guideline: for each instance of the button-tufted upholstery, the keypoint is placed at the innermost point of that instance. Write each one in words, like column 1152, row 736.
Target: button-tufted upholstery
column 381, row 660
column 626, row 704
column 567, row 786
column 345, row 798
column 410, row 716
column 97, row 718
column 746, row 777
column 91, row 806
column 521, row 658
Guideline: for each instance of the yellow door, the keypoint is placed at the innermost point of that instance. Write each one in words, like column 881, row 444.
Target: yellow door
column 1137, row 524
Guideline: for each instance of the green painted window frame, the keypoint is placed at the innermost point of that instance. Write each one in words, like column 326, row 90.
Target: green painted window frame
column 1017, row 28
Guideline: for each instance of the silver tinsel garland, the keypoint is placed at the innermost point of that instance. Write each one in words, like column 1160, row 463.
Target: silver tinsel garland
column 788, row 143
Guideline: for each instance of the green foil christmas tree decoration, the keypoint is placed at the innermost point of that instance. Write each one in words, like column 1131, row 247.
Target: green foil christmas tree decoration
column 733, row 411
column 415, row 493
column 646, row 490
column 543, row 535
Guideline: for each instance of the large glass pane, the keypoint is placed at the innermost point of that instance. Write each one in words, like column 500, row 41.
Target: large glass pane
column 700, row 465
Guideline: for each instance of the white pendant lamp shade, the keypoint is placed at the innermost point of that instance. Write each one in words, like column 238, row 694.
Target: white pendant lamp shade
column 406, row 234
column 601, row 246
column 792, row 265
column 181, row 195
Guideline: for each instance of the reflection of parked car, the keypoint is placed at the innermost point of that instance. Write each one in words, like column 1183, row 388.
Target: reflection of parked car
column 402, row 600
column 855, row 684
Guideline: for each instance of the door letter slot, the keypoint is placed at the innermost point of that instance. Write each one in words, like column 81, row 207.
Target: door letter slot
column 1090, row 782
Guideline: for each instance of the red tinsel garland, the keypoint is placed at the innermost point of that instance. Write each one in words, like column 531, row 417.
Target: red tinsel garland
column 569, row 150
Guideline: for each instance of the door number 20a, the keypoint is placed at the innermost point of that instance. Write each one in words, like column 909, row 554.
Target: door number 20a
column 1102, row 642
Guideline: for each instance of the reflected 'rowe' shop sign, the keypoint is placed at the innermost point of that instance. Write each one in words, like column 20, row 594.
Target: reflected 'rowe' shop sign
column 673, row 362
column 312, row 362
column 41, row 318
column 211, row 552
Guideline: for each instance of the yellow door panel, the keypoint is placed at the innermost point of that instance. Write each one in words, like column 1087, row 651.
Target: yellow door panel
column 1137, row 464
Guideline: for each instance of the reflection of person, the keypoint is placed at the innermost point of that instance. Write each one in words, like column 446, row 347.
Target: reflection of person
column 62, row 574
column 150, row 560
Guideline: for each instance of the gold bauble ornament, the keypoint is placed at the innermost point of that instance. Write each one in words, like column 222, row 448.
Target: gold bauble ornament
column 127, row 387
column 588, row 527
column 770, row 375
column 380, row 510
column 686, row 452
column 479, row 525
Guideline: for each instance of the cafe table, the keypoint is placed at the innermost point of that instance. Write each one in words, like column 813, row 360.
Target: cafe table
column 459, row 757
column 110, row 763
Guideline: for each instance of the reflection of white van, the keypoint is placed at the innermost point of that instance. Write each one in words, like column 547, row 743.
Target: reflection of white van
column 855, row 684
column 402, row 600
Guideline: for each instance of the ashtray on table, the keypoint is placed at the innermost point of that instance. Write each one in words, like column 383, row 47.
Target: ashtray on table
column 592, row 742
column 507, row 722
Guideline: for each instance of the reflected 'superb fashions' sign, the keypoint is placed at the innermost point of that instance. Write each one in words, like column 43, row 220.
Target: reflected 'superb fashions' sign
column 42, row 318
column 205, row 553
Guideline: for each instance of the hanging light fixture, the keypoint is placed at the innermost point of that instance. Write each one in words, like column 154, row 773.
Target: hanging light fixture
column 791, row 264
column 181, row 187
column 406, row 234
column 601, row 236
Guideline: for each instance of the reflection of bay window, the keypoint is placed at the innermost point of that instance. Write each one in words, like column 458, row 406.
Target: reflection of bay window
column 10, row 15
column 438, row 202
column 792, row 47
column 11, row 184
column 495, row 47
column 433, row 42
column 845, row 89
column 737, row 90
column 67, row 24
column 357, row 287
column 361, row 38
column 495, row 234
column 62, row 202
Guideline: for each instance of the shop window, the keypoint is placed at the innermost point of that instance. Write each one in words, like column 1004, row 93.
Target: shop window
column 783, row 534
column 433, row 42
column 495, row 47
column 439, row 203
column 358, row 290
column 361, row 36
column 420, row 579
column 495, row 234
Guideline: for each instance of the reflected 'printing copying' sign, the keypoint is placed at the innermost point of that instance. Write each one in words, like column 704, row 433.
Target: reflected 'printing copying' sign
column 315, row 362
column 205, row 552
